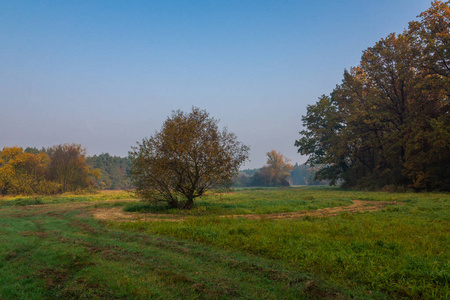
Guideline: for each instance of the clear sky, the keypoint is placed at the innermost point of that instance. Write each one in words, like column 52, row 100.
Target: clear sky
column 105, row 74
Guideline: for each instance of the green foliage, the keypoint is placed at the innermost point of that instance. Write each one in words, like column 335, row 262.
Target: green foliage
column 188, row 157
column 275, row 173
column 68, row 167
column 304, row 175
column 114, row 171
column 387, row 123
column 300, row 175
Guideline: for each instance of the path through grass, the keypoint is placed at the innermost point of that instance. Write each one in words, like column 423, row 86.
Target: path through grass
column 54, row 248
column 399, row 251
column 60, row 251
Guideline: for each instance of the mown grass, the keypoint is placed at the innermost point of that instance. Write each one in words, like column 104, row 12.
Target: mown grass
column 401, row 251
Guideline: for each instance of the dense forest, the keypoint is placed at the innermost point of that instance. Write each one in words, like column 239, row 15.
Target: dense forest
column 388, row 123
column 113, row 169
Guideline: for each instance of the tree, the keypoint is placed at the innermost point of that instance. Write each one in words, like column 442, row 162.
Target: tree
column 188, row 157
column 428, row 142
column 68, row 167
column 24, row 173
column 241, row 179
column 113, row 169
column 304, row 175
column 388, row 122
column 276, row 171
column 323, row 139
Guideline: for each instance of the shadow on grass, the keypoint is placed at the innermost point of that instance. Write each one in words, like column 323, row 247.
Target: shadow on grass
column 145, row 207
column 23, row 202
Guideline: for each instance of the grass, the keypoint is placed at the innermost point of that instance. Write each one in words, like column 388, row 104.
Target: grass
column 250, row 201
column 65, row 198
column 401, row 251
column 57, row 250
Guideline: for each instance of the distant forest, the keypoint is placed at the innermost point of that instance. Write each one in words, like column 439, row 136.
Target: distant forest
column 113, row 170
column 58, row 169
column 66, row 168
column 300, row 175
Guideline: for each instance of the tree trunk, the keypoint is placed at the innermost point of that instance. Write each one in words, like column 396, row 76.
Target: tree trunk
column 189, row 203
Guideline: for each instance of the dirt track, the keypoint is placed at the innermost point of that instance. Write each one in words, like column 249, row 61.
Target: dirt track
column 357, row 206
column 117, row 213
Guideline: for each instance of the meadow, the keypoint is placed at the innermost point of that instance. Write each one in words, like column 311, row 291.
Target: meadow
column 248, row 244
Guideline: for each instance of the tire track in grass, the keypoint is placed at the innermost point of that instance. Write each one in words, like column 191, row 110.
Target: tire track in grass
column 117, row 214
column 357, row 206
column 85, row 245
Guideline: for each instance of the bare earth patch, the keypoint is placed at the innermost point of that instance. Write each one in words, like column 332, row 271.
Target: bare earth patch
column 117, row 213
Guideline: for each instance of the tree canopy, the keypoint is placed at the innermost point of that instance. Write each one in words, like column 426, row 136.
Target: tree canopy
column 388, row 122
column 58, row 169
column 186, row 158
column 68, row 167
column 276, row 172
column 114, row 171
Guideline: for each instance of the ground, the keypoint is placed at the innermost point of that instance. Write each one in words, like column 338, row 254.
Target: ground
column 118, row 214
column 250, row 244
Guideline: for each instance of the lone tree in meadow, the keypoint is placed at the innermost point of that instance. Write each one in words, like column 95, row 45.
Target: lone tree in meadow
column 189, row 156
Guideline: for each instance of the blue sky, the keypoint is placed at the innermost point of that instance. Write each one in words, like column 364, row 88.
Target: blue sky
column 105, row 74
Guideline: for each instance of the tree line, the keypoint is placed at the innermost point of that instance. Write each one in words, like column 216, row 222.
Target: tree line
column 388, row 122
column 58, row 169
column 277, row 172
column 114, row 171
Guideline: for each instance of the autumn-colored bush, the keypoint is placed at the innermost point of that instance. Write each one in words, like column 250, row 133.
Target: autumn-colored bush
column 63, row 169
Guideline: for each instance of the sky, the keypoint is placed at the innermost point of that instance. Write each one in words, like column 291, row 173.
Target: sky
column 106, row 74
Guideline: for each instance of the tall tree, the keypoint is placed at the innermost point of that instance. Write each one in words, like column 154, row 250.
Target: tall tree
column 428, row 142
column 68, row 167
column 189, row 156
column 388, row 122
column 24, row 173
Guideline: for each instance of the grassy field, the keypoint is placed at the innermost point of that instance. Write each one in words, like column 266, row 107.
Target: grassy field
column 53, row 247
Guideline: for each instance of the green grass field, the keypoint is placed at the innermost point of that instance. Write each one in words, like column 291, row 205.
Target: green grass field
column 53, row 247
